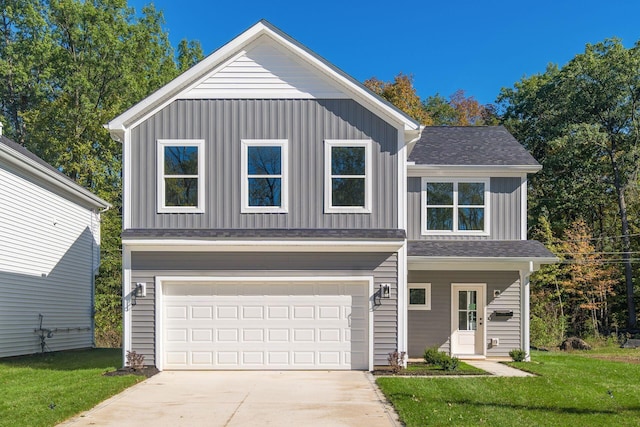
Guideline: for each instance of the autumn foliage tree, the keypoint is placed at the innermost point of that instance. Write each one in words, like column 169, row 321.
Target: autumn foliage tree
column 589, row 281
column 459, row 110
column 401, row 93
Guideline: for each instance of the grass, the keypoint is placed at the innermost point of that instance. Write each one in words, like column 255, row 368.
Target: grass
column 424, row 369
column 43, row 390
column 571, row 389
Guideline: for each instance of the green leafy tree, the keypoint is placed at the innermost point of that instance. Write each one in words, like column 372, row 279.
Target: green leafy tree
column 189, row 54
column 66, row 68
column 548, row 321
column 585, row 114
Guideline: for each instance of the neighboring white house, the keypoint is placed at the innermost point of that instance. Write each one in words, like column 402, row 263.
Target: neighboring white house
column 49, row 255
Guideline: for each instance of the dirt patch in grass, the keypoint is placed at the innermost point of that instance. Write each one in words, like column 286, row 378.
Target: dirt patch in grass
column 147, row 371
column 615, row 358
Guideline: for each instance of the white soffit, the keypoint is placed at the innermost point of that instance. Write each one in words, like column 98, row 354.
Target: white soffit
column 264, row 70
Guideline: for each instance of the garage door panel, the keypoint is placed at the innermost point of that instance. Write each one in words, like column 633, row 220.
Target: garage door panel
column 285, row 326
column 227, row 312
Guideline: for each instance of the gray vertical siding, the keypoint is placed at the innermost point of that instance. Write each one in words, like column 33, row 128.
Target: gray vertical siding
column 428, row 328
column 147, row 265
column 305, row 123
column 504, row 211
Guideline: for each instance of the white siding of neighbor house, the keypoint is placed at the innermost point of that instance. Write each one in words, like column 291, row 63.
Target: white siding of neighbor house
column 264, row 70
column 49, row 248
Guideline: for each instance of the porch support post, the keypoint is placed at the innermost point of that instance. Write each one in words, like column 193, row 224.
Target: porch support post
column 402, row 303
column 525, row 289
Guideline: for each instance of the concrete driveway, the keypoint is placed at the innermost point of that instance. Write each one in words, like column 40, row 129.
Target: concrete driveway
column 245, row 398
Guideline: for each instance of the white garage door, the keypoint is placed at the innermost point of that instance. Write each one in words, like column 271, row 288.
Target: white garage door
column 290, row 325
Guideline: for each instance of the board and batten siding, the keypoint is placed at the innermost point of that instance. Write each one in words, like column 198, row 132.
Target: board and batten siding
column 429, row 328
column 147, row 265
column 223, row 123
column 504, row 211
column 49, row 249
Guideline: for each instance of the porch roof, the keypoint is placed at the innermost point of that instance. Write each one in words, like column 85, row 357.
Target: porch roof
column 483, row 249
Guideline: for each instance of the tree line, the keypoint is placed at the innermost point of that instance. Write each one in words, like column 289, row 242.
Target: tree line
column 69, row 66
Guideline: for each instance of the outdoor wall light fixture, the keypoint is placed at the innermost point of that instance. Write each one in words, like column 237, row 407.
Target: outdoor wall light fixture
column 383, row 292
column 138, row 292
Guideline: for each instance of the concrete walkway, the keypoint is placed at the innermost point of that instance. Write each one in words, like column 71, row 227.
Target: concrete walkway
column 498, row 369
column 243, row 398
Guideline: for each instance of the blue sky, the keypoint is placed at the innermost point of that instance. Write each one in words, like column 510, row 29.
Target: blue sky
column 478, row 46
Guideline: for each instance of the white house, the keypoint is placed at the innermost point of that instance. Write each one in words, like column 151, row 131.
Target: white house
column 49, row 255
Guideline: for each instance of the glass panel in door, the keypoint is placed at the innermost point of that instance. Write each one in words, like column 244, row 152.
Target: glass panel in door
column 467, row 310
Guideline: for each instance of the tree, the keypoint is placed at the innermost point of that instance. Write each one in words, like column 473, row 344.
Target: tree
column 459, row 110
column 402, row 94
column 548, row 321
column 189, row 54
column 66, row 68
column 588, row 281
column 593, row 102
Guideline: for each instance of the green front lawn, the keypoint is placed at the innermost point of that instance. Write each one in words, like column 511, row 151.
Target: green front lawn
column 571, row 389
column 43, row 390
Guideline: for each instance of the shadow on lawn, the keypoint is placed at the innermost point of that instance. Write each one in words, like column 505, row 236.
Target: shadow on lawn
column 105, row 359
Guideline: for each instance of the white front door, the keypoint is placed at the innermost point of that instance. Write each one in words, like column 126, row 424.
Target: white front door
column 467, row 319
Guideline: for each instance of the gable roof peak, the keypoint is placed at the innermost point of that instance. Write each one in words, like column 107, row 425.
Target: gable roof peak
column 318, row 65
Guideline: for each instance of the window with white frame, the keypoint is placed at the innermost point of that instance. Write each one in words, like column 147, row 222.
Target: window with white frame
column 264, row 175
column 180, row 175
column 419, row 296
column 347, row 186
column 459, row 206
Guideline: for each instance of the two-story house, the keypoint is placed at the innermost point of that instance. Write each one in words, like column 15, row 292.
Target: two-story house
column 279, row 215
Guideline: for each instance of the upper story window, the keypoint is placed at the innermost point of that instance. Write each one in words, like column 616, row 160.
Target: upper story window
column 347, row 186
column 180, row 175
column 458, row 206
column 264, row 175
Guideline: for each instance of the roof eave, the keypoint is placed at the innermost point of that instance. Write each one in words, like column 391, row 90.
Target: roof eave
column 465, row 170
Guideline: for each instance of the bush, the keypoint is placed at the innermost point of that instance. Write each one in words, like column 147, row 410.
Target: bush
column 135, row 360
column 396, row 361
column 449, row 363
column 432, row 356
column 517, row 355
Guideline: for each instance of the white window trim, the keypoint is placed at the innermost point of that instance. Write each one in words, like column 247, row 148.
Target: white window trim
column 162, row 143
column 328, row 204
column 455, row 231
column 284, row 176
column 427, row 304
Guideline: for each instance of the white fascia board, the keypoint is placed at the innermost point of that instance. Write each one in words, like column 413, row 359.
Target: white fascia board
column 61, row 182
column 472, row 170
column 170, row 91
column 477, row 263
column 158, row 245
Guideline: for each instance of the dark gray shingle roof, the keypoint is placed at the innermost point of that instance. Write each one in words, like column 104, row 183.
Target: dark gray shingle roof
column 479, row 248
column 470, row 146
column 267, row 233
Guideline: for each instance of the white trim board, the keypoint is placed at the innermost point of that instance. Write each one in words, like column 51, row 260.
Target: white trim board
column 162, row 245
